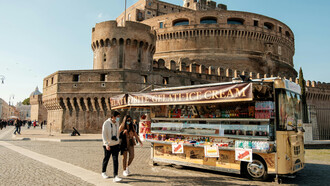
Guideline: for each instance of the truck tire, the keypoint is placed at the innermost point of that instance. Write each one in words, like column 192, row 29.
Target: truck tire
column 256, row 170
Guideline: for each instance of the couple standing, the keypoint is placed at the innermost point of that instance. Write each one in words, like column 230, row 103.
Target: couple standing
column 118, row 138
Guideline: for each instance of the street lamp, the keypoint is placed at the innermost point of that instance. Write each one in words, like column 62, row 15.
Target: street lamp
column 2, row 79
column 11, row 97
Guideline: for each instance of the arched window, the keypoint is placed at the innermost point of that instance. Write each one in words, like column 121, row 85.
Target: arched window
column 208, row 20
column 268, row 26
column 235, row 21
column 180, row 22
column 287, row 33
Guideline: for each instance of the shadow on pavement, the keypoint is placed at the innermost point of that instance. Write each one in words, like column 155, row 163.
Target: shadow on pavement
column 312, row 174
column 180, row 180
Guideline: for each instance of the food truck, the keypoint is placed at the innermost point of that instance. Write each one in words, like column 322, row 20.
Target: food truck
column 246, row 127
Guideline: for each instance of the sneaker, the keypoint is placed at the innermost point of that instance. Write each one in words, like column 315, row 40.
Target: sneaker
column 104, row 175
column 117, row 179
column 127, row 170
column 125, row 173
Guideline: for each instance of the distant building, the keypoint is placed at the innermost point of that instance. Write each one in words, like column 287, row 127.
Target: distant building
column 13, row 112
column 38, row 110
column 4, row 109
column 24, row 111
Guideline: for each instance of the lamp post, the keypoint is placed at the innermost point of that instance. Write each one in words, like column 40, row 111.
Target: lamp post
column 11, row 97
column 2, row 78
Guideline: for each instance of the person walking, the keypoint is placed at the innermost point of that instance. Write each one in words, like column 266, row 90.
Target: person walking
column 34, row 124
column 110, row 136
column 17, row 126
column 136, row 126
column 41, row 124
column 29, row 124
column 127, row 134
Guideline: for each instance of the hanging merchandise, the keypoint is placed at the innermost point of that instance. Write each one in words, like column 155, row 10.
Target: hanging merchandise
column 211, row 151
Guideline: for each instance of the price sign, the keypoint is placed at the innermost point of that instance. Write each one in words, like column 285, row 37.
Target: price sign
column 243, row 154
column 177, row 148
column 211, row 151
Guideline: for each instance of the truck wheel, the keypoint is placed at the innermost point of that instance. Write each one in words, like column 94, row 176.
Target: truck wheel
column 256, row 170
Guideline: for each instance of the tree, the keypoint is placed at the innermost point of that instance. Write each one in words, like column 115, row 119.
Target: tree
column 26, row 101
column 302, row 84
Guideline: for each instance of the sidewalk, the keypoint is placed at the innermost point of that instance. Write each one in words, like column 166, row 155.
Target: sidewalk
column 38, row 134
column 317, row 144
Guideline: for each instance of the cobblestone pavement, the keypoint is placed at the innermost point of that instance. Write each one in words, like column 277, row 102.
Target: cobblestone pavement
column 17, row 169
column 88, row 155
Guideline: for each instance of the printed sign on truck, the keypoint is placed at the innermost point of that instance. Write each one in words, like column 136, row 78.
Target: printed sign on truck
column 243, row 154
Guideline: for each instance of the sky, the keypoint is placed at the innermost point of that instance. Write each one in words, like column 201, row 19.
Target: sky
column 40, row 37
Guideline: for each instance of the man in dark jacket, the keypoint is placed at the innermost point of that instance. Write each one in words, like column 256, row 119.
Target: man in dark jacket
column 16, row 124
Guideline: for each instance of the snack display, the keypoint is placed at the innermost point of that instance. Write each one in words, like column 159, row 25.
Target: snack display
column 145, row 127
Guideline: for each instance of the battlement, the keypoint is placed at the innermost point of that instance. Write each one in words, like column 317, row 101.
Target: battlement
column 203, row 5
column 209, row 71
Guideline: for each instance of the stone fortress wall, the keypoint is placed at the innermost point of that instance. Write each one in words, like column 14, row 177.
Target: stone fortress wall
column 111, row 44
column 226, row 38
column 132, row 57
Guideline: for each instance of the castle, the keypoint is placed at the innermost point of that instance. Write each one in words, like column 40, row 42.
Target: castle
column 161, row 44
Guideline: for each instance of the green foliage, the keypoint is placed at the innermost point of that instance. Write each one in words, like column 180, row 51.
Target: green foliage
column 302, row 84
column 26, row 101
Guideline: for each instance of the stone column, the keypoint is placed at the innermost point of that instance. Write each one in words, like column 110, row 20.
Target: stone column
column 93, row 104
column 79, row 105
column 72, row 105
column 86, row 104
column 66, row 105
column 107, row 103
column 100, row 104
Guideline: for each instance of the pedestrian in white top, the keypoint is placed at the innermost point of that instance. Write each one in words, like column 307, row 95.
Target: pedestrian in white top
column 110, row 136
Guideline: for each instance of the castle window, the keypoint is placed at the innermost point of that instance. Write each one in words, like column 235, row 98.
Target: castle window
column 255, row 23
column 161, row 25
column 280, row 29
column 165, row 80
column 148, row 12
column 46, row 83
column 76, row 77
column 268, row 26
column 52, row 80
column 129, row 17
column 172, row 9
column 149, row 3
column 164, row 6
column 104, row 57
column 145, row 79
column 103, row 77
column 235, row 21
column 287, row 34
column 192, row 82
column 188, row 4
column 140, row 16
column 180, row 22
column 208, row 20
